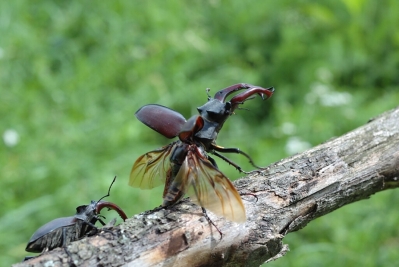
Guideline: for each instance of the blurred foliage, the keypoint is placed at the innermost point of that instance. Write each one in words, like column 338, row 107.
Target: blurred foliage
column 72, row 74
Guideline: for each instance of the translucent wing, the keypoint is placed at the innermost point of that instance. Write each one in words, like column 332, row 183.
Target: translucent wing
column 210, row 188
column 151, row 169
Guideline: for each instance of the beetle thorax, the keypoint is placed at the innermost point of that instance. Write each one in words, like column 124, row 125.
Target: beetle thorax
column 214, row 114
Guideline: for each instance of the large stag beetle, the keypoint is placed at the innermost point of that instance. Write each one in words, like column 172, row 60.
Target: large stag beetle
column 60, row 232
column 184, row 165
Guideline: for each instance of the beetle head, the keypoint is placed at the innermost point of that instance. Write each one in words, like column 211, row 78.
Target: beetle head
column 215, row 110
column 82, row 209
column 86, row 212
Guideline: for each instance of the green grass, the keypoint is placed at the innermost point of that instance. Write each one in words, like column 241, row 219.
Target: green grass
column 72, row 74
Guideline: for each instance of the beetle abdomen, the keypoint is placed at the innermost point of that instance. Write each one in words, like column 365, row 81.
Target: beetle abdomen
column 49, row 241
column 55, row 238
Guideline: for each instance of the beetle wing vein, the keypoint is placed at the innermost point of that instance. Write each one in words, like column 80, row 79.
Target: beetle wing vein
column 212, row 190
column 150, row 169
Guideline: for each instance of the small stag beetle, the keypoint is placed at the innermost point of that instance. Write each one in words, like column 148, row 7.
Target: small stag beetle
column 184, row 166
column 60, row 232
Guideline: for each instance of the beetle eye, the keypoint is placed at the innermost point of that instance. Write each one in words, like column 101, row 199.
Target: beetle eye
column 81, row 209
column 227, row 107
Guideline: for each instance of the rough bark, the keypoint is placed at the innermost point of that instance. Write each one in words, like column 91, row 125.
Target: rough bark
column 290, row 193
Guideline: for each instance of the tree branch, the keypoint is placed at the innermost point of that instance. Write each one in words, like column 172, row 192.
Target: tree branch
column 290, row 193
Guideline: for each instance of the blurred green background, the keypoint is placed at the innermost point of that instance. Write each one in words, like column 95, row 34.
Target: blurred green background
column 73, row 73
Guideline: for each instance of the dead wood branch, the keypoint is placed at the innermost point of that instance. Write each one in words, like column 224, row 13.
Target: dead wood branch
column 291, row 193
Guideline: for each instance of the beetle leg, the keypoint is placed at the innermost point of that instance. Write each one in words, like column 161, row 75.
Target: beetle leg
column 91, row 225
column 69, row 257
column 232, row 150
column 95, row 227
column 213, row 162
column 239, row 169
column 88, row 231
column 64, row 245
column 101, row 216
column 64, row 237
column 250, row 194
column 28, row 258
column 101, row 221
column 211, row 222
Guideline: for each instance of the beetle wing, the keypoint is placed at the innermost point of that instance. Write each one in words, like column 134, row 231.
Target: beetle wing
column 150, row 170
column 211, row 189
column 164, row 120
column 49, row 227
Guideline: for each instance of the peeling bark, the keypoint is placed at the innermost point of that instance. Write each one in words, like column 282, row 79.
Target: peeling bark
column 291, row 193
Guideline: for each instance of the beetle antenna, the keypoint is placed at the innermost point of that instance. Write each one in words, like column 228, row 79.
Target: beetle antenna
column 109, row 190
column 207, row 93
